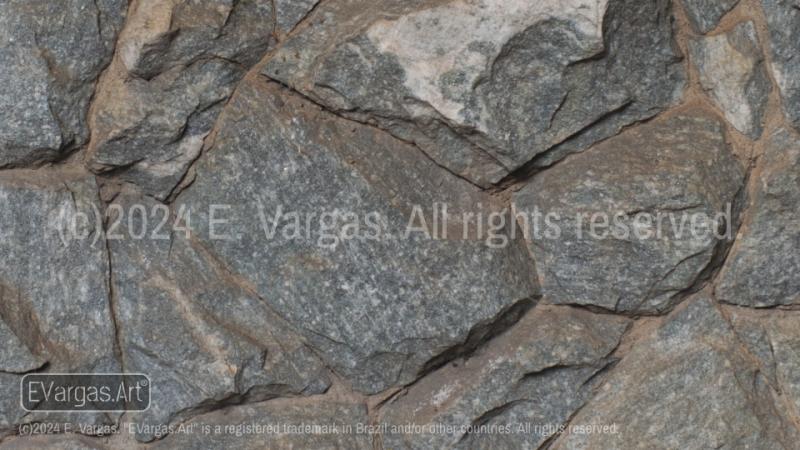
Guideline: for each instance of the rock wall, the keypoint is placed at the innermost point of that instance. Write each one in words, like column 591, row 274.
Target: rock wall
column 404, row 223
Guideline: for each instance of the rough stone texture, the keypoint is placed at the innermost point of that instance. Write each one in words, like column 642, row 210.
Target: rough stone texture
column 51, row 54
column 291, row 12
column 773, row 340
column 783, row 20
column 539, row 373
column 732, row 70
column 178, row 63
column 706, row 14
column 689, row 385
column 332, row 418
column 203, row 340
column 379, row 310
column 676, row 167
column 456, row 77
column 330, row 223
column 54, row 305
column 763, row 266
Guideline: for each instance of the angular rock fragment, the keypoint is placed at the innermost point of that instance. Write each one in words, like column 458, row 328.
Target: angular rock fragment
column 204, row 340
column 689, row 385
column 275, row 425
column 485, row 86
column 54, row 305
column 706, row 14
column 51, row 55
column 177, row 64
column 637, row 220
column 783, row 21
column 529, row 382
column 732, row 71
column 325, row 217
column 762, row 269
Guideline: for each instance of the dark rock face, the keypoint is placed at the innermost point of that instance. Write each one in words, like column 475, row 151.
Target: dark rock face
column 382, row 308
column 203, row 340
column 646, row 186
column 539, row 373
column 783, row 19
column 177, row 64
column 467, row 94
column 732, row 70
column 706, row 14
column 55, row 313
column 52, row 53
column 693, row 356
column 762, row 268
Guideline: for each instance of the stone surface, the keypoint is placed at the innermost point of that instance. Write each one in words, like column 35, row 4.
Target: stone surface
column 456, row 77
column 783, row 20
column 54, row 306
column 204, row 340
column 335, row 425
column 421, row 224
column 381, row 305
column 178, row 63
column 763, row 265
column 536, row 375
column 705, row 15
column 689, row 385
column 732, row 71
column 51, row 55
column 290, row 13
column 673, row 172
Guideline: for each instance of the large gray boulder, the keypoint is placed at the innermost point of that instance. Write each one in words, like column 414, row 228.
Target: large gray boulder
column 637, row 220
column 528, row 381
column 691, row 384
column 177, row 64
column 483, row 87
column 317, row 212
column 204, row 340
column 762, row 268
column 52, row 53
column 732, row 71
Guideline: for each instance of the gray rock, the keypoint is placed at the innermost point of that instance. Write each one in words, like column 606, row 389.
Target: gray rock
column 705, row 15
column 648, row 186
column 381, row 302
column 772, row 338
column 688, row 385
column 53, row 284
column 763, row 265
column 732, row 71
column 273, row 425
column 15, row 357
column 529, row 382
column 783, row 21
column 204, row 340
column 484, row 87
column 52, row 53
column 177, row 65
column 291, row 12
